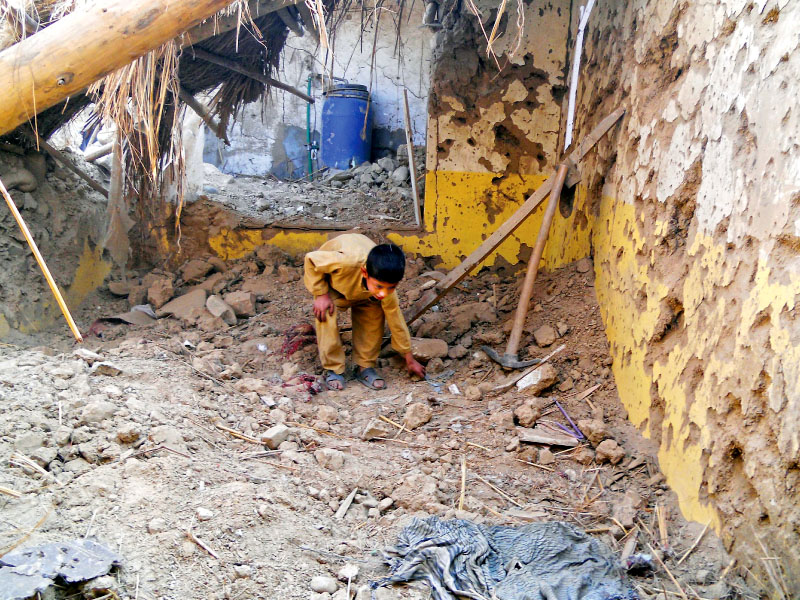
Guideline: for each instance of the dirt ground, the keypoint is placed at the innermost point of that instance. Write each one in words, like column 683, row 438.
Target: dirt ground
column 172, row 444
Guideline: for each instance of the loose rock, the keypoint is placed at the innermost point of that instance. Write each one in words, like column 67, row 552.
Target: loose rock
column 323, row 584
column 329, row 458
column 545, row 335
column 609, row 451
column 417, row 414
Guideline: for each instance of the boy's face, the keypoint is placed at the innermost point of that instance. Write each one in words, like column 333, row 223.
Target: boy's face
column 378, row 289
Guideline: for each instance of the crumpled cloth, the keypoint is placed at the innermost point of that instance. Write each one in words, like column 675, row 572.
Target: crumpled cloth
column 537, row 561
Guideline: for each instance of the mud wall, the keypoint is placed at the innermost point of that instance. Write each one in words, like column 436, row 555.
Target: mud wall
column 270, row 136
column 694, row 209
column 68, row 221
column 493, row 133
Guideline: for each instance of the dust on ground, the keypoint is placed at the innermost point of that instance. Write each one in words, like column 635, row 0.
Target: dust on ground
column 210, row 428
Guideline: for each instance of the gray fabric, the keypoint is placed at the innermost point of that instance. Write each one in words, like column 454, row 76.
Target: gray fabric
column 538, row 561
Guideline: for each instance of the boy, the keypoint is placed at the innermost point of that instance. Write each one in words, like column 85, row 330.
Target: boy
column 350, row 271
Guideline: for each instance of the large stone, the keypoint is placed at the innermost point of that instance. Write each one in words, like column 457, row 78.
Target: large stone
column 167, row 435
column 594, row 430
column 502, row 420
column 275, row 436
column 426, row 349
column 119, row 288
column 97, row 412
column 328, row 414
column 609, row 451
column 242, row 303
column 330, row 458
column 43, row 456
column 160, row 292
column 376, row 429
column 415, row 492
column 29, row 441
column 219, row 308
column 260, row 286
column 182, row 306
column 584, row 265
column 545, row 335
column 387, row 163
column 529, row 411
column 196, row 269
column 417, row 414
column 400, row 175
column 538, row 380
column 323, row 585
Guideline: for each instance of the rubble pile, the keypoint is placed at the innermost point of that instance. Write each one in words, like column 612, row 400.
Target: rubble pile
column 193, row 443
column 387, row 174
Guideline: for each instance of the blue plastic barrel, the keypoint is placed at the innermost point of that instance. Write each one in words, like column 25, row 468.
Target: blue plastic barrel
column 346, row 138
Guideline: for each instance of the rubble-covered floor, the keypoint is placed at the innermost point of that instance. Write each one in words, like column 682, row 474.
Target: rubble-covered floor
column 371, row 195
column 169, row 445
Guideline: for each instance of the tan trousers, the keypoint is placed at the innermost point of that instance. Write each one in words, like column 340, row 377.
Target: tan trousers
column 368, row 322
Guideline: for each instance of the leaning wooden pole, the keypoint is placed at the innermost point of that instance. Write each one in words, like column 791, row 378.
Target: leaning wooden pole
column 86, row 45
column 39, row 259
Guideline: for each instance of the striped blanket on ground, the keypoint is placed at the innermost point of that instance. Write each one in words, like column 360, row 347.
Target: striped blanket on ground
column 538, row 561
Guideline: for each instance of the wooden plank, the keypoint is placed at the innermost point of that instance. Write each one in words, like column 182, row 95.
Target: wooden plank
column 86, row 45
column 411, row 164
column 538, row 436
column 509, row 226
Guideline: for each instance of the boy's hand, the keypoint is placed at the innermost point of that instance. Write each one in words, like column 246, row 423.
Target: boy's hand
column 323, row 306
column 414, row 367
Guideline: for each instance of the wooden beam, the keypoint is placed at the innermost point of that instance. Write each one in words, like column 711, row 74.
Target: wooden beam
column 204, row 114
column 86, row 45
column 234, row 66
column 478, row 255
column 99, row 152
column 308, row 19
column 59, row 156
column 289, row 20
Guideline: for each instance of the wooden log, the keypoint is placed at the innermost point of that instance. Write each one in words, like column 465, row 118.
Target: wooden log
column 86, row 45
column 235, row 66
column 509, row 226
column 538, row 436
column 99, row 152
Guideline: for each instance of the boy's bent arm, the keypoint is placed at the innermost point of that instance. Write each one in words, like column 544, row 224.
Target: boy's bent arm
column 316, row 265
column 401, row 338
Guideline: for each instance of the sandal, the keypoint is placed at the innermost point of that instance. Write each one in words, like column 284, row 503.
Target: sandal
column 334, row 378
column 368, row 377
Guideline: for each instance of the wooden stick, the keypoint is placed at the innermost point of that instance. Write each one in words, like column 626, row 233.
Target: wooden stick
column 509, row 226
column 167, row 448
column 201, row 543
column 585, row 395
column 202, row 112
column 693, row 546
column 235, row 66
column 499, row 491
column 535, row 465
column 669, row 573
column 412, row 165
column 662, row 526
column 401, row 428
column 60, row 157
column 463, row 482
column 39, row 259
column 236, row 434
column 10, row 492
column 478, row 446
column 345, row 505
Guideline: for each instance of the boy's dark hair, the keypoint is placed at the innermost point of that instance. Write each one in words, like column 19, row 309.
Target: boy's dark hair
column 387, row 263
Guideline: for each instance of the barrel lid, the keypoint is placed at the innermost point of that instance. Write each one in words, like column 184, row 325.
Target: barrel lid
column 343, row 88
